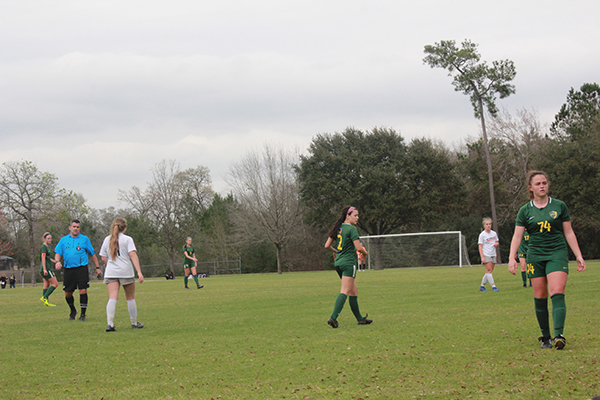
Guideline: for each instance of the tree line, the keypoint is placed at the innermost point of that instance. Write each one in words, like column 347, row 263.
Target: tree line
column 280, row 203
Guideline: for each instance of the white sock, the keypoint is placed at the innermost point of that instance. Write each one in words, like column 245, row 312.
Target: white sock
column 484, row 280
column 490, row 279
column 132, row 307
column 111, row 307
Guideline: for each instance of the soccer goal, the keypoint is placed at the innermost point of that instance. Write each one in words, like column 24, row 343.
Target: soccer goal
column 424, row 249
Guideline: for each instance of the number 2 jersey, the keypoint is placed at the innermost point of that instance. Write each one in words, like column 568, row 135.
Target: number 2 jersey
column 346, row 254
column 544, row 225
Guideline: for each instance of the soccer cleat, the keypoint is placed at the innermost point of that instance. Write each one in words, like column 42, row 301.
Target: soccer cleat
column 546, row 342
column 200, row 286
column 49, row 304
column 137, row 325
column 495, row 289
column 365, row 321
column 560, row 342
column 186, row 287
column 524, row 285
column 82, row 317
column 482, row 289
column 332, row 322
column 43, row 300
column 110, row 328
column 72, row 315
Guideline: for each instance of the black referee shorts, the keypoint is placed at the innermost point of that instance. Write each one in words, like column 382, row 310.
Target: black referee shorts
column 76, row 278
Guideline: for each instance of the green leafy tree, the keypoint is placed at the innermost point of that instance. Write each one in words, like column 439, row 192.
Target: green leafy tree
column 396, row 187
column 217, row 229
column 480, row 81
column 572, row 159
column 577, row 116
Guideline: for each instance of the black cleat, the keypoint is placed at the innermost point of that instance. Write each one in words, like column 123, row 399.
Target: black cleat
column 110, row 328
column 546, row 342
column 137, row 325
column 186, row 287
column 365, row 321
column 82, row 318
column 332, row 322
column 524, row 285
column 72, row 315
column 200, row 286
column 560, row 342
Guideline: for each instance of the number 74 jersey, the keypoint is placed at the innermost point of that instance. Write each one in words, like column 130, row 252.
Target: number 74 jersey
column 546, row 236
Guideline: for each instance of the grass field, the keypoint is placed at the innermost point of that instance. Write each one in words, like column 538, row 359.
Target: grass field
column 434, row 336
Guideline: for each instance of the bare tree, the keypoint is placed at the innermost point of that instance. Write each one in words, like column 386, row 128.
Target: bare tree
column 266, row 187
column 164, row 202
column 519, row 139
column 26, row 194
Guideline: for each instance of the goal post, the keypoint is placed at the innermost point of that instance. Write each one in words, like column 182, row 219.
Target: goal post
column 423, row 249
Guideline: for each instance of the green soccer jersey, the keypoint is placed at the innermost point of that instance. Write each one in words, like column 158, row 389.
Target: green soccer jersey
column 49, row 255
column 346, row 252
column 190, row 252
column 546, row 236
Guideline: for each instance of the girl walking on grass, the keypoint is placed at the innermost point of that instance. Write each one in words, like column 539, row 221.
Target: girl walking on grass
column 50, row 281
column 120, row 256
column 343, row 242
column 488, row 242
column 549, row 225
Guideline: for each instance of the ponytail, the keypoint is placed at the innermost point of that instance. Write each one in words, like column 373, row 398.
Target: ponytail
column 345, row 211
column 118, row 226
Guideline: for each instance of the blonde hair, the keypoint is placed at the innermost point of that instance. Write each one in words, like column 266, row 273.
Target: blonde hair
column 486, row 219
column 530, row 176
column 45, row 234
column 118, row 226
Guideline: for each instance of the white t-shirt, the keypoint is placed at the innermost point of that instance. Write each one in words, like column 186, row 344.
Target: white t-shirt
column 488, row 240
column 121, row 266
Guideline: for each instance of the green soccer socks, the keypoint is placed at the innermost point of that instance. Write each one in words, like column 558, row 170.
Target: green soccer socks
column 353, row 300
column 541, row 312
column 339, row 304
column 559, row 313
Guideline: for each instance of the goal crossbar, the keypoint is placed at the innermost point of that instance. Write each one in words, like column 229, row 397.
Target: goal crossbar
column 460, row 243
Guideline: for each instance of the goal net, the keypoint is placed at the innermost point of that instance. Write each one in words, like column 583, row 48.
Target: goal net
column 425, row 249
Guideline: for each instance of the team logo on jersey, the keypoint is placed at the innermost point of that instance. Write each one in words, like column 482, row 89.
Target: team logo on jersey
column 78, row 248
column 553, row 214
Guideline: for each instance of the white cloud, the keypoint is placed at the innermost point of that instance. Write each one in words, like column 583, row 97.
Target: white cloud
column 97, row 93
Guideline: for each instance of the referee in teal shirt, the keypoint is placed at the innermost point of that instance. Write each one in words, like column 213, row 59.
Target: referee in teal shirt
column 76, row 249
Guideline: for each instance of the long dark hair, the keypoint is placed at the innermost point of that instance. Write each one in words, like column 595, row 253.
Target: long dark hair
column 334, row 231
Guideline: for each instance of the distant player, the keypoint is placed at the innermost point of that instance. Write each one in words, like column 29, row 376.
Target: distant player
column 362, row 260
column 550, row 231
column 189, row 263
column 523, row 258
column 343, row 242
column 488, row 242
column 46, row 267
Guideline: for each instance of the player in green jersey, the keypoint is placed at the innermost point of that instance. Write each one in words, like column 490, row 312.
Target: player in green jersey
column 343, row 242
column 523, row 258
column 549, row 225
column 189, row 263
column 50, row 281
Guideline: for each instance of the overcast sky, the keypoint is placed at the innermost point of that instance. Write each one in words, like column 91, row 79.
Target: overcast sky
column 98, row 92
